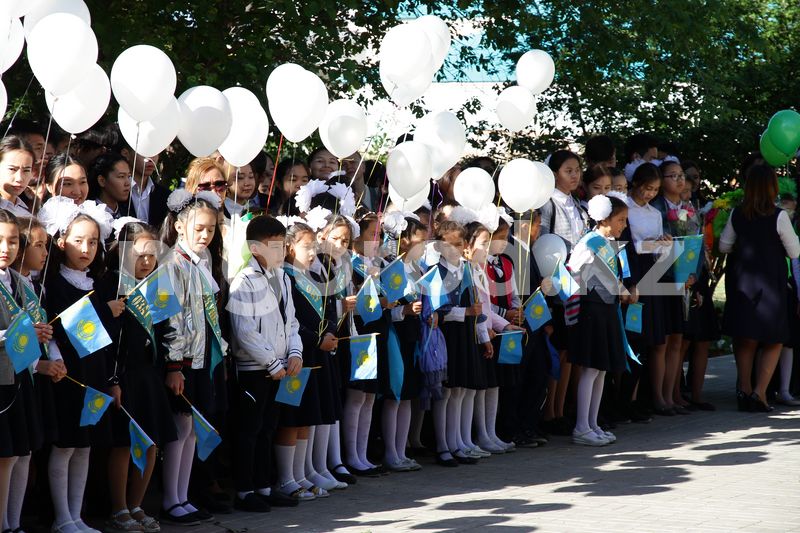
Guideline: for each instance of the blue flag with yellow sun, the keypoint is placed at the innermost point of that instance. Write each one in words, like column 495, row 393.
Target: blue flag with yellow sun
column 140, row 443
column 83, row 327
column 95, row 404
column 566, row 284
column 158, row 291
column 633, row 318
column 393, row 280
column 511, row 348
column 537, row 314
column 689, row 259
column 363, row 357
column 21, row 342
column 291, row 388
column 368, row 304
column 207, row 436
column 432, row 286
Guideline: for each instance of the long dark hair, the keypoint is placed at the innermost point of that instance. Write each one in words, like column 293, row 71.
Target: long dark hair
column 26, row 227
column 13, row 143
column 760, row 192
column 57, row 257
column 169, row 235
column 102, row 166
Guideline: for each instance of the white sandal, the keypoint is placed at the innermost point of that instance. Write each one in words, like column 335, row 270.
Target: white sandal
column 117, row 524
column 149, row 523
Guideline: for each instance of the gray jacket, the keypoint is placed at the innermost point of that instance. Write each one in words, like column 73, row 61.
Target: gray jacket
column 556, row 220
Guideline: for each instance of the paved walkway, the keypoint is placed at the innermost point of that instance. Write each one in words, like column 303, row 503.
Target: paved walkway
column 722, row 471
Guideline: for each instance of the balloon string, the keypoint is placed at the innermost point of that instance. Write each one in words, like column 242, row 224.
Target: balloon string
column 274, row 170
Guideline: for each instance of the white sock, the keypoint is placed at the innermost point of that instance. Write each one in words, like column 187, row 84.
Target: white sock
column 492, row 400
column 305, row 482
column 284, row 461
column 467, row 408
column 266, row 491
column 16, row 493
column 454, row 419
column 299, row 463
column 319, row 458
column 389, row 430
column 350, row 414
column 403, row 424
column 364, row 423
column 479, row 419
column 417, row 420
column 597, row 396
column 58, row 472
column 787, row 356
column 439, row 410
column 243, row 495
column 173, row 453
column 78, row 472
column 585, row 388
column 335, row 447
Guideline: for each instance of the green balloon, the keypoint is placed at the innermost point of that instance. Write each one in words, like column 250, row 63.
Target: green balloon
column 771, row 154
column 784, row 130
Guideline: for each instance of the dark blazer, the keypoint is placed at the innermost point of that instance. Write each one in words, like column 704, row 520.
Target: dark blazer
column 158, row 206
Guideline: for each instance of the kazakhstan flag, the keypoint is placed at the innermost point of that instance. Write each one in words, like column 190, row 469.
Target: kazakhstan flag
column 432, row 286
column 633, row 318
column 95, row 404
column 368, row 305
column 140, row 443
column 393, row 280
column 691, row 251
column 363, row 357
column 567, row 286
column 22, row 345
column 292, row 387
column 83, row 327
column 160, row 295
column 511, row 348
column 207, row 437
column 537, row 313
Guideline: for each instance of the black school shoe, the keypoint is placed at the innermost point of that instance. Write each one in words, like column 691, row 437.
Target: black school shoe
column 201, row 514
column 167, row 517
column 251, row 503
column 277, row 499
column 213, row 503
column 343, row 477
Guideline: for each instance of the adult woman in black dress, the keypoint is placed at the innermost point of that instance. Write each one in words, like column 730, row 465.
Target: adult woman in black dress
column 758, row 237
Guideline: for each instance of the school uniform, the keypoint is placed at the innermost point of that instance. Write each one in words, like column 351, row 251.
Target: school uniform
column 361, row 267
column 756, row 275
column 44, row 384
column 266, row 336
column 63, row 289
column 408, row 328
column 503, row 296
column 137, row 367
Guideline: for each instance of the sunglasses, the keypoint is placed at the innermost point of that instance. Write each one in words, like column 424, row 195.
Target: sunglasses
column 220, row 185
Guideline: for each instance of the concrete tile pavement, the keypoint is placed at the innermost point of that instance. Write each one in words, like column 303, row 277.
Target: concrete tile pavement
column 707, row 472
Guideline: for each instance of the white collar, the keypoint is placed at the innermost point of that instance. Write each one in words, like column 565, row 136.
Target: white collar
column 202, row 265
column 147, row 188
column 235, row 208
column 632, row 204
column 455, row 269
column 77, row 278
column 670, row 205
column 562, row 197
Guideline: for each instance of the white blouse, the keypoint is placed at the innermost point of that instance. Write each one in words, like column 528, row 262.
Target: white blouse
column 783, row 226
column 646, row 226
column 573, row 211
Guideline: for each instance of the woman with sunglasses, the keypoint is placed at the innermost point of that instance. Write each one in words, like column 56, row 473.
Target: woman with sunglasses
column 205, row 174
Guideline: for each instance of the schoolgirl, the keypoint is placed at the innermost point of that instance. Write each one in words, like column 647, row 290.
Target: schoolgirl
column 67, row 177
column 16, row 167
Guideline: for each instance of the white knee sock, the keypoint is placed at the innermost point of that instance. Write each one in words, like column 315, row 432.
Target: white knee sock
column 389, row 427
column 58, row 471
column 284, row 467
column 417, row 420
column 403, row 424
column 173, row 460
column 308, row 459
column 467, row 408
column 492, row 400
column 16, row 493
column 364, row 424
column 335, row 446
column 454, row 419
column 78, row 472
column 319, row 457
column 439, row 410
column 351, row 412
column 299, row 463
column 585, row 388
column 786, row 360
column 597, row 396
column 479, row 419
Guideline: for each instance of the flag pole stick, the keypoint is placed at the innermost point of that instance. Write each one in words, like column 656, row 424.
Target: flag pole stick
column 351, row 336
column 74, row 380
column 59, row 314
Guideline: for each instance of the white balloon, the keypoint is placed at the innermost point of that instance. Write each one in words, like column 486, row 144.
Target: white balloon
column 19, row 8
column 61, row 51
column 297, row 101
column 535, row 71
column 518, row 184
column 474, row 188
column 3, row 99
column 43, row 8
column 249, row 128
column 547, row 251
column 439, row 35
column 413, row 203
column 516, row 108
column 445, row 136
column 405, row 51
column 143, row 79
column 205, row 120
column 545, row 184
column 408, row 168
column 343, row 128
column 12, row 48
column 409, row 91
column 81, row 108
column 151, row 137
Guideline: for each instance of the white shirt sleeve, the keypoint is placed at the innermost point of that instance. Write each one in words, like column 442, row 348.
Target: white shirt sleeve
column 728, row 237
column 788, row 236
